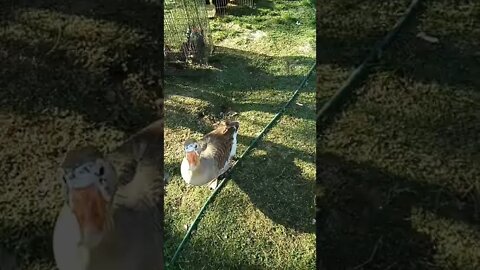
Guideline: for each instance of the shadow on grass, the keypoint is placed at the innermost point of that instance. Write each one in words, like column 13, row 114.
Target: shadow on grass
column 265, row 4
column 238, row 70
column 141, row 14
column 365, row 214
column 284, row 196
column 445, row 63
column 8, row 260
column 93, row 64
column 239, row 9
column 363, row 207
column 234, row 73
column 202, row 120
column 30, row 236
column 49, row 62
column 206, row 250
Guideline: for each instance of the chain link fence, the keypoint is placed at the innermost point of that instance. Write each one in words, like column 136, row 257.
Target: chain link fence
column 187, row 32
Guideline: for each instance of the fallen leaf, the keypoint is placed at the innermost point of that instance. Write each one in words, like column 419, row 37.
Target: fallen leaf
column 428, row 38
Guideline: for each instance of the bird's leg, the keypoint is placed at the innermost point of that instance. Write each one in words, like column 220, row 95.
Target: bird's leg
column 84, row 256
column 166, row 178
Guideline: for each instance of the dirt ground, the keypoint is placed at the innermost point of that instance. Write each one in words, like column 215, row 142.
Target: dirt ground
column 71, row 73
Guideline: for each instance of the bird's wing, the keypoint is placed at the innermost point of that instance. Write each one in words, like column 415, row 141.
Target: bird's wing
column 135, row 241
column 139, row 166
column 206, row 140
column 218, row 145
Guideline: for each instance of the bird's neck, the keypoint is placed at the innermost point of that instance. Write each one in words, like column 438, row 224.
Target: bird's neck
column 66, row 240
column 202, row 161
column 70, row 252
column 204, row 167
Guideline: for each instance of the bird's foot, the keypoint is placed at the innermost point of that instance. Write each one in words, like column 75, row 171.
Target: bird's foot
column 213, row 185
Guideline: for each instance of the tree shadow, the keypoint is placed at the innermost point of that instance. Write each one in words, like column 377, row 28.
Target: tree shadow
column 364, row 213
column 286, row 197
column 428, row 62
column 363, row 210
column 29, row 236
column 234, row 73
column 239, row 8
column 53, row 60
column 408, row 56
column 201, row 120
column 141, row 14
column 237, row 70
column 266, row 4
column 59, row 58
column 8, row 260
column 204, row 249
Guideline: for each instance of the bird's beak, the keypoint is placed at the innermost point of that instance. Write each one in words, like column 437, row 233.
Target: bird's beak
column 192, row 158
column 89, row 207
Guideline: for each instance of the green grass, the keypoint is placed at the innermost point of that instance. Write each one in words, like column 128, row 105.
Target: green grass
column 70, row 75
column 266, row 29
column 263, row 218
column 399, row 168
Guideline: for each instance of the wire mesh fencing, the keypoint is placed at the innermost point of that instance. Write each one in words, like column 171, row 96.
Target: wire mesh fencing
column 221, row 7
column 187, row 32
column 186, row 27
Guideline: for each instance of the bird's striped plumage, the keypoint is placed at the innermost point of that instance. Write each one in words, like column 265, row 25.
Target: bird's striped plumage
column 215, row 152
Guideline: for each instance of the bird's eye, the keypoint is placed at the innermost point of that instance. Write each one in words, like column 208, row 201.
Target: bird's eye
column 64, row 179
column 101, row 171
column 196, row 146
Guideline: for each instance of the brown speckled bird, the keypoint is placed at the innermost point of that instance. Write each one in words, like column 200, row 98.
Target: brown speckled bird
column 210, row 157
